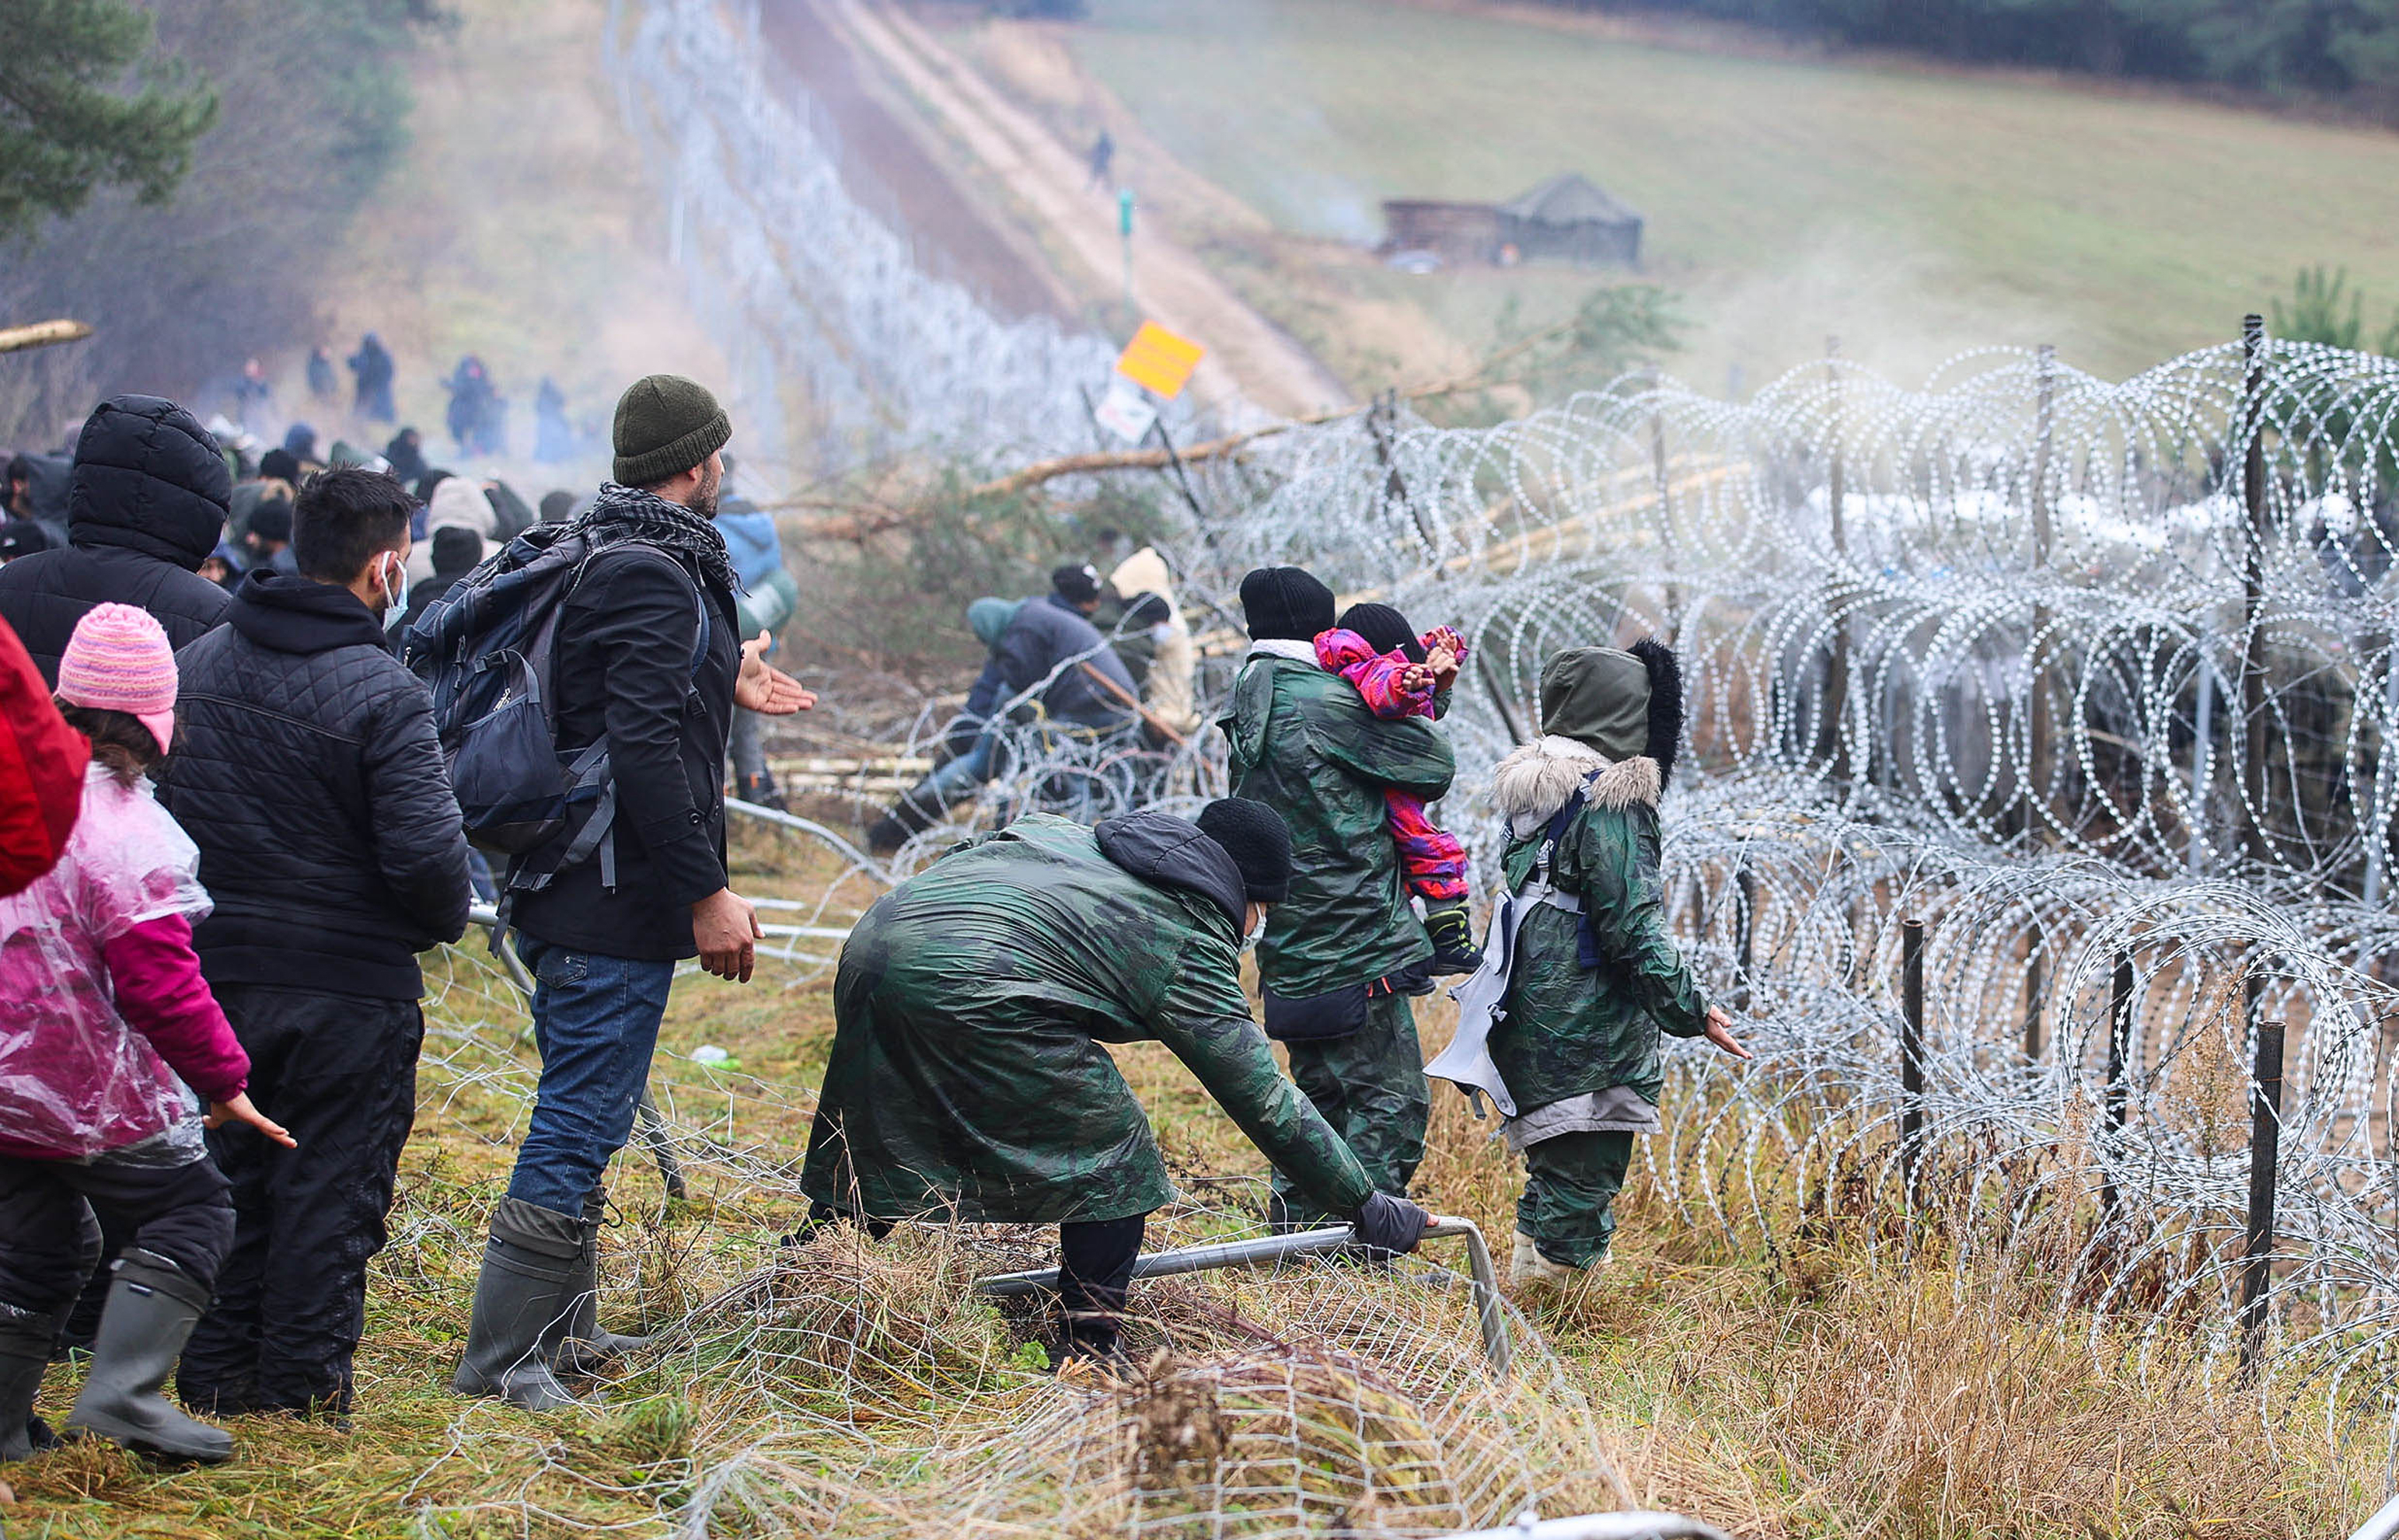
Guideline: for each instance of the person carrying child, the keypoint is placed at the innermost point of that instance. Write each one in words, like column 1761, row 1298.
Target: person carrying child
column 108, row 1021
column 1400, row 674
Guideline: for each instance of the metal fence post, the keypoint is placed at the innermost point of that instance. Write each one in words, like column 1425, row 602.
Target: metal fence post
column 2265, row 1146
column 1911, row 1049
column 2119, row 1037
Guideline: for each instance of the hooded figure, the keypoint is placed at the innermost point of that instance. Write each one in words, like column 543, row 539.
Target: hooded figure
column 968, row 1080
column 1173, row 659
column 1592, row 976
column 146, row 507
column 1340, row 957
column 458, row 504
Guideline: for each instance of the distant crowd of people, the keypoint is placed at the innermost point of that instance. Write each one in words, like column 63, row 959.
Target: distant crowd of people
column 234, row 819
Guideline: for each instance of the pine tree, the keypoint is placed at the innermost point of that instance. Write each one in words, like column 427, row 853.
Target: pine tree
column 65, row 130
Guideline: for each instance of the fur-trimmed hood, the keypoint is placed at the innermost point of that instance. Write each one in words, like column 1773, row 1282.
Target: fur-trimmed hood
column 1531, row 784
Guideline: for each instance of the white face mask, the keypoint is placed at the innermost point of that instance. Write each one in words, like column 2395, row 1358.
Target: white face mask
column 1256, row 930
column 396, row 571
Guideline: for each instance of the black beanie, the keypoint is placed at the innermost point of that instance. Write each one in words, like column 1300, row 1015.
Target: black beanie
column 1385, row 629
column 665, row 425
column 1285, row 603
column 1077, row 583
column 272, row 519
column 1257, row 839
column 456, row 548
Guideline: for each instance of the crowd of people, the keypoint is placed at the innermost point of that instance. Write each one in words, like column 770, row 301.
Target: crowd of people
column 233, row 819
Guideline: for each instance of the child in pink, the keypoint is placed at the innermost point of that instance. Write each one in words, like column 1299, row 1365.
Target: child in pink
column 106, row 1021
column 1399, row 673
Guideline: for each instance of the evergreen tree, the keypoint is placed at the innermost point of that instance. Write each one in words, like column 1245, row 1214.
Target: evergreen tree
column 65, row 130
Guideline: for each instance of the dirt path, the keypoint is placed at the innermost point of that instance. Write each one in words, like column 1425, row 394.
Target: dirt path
column 887, row 167
column 1251, row 367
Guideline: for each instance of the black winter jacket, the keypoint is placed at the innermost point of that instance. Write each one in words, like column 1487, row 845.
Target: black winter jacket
column 625, row 643
column 148, row 503
column 309, row 776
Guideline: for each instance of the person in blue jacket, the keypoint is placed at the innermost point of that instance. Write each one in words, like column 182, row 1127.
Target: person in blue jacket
column 767, row 600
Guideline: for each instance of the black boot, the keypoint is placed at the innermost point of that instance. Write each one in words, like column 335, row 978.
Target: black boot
column 24, row 1353
column 1452, row 938
column 579, row 1346
column 152, row 1307
column 919, row 808
column 532, row 1268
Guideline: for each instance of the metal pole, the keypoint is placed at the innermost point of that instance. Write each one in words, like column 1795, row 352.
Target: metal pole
column 2254, row 781
column 1837, row 680
column 1911, row 1049
column 2120, row 1035
column 1490, row 1313
column 2265, row 1147
column 2038, row 727
column 1745, row 933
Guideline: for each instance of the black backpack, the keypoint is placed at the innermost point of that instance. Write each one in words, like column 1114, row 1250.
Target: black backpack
column 487, row 649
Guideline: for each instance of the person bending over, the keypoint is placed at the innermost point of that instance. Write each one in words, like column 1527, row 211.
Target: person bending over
column 968, row 1079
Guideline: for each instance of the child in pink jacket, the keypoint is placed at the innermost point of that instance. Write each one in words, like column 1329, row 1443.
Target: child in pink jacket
column 1400, row 674
column 104, row 1022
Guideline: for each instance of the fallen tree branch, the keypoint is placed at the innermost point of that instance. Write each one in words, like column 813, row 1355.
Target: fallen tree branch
column 16, row 339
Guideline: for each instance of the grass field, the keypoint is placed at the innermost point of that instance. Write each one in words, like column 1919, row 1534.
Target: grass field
column 1913, row 213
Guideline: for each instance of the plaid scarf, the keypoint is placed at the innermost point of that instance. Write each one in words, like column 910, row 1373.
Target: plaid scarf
column 623, row 513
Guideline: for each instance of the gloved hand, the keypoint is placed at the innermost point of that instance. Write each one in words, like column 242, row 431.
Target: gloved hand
column 1388, row 1224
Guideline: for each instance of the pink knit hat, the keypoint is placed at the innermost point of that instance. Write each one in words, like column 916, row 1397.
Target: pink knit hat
column 119, row 661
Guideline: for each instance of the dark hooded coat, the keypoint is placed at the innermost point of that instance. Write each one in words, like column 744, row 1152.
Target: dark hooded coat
column 968, row 1077
column 147, row 505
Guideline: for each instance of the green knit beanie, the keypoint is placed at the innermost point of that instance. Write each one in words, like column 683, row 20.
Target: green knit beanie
column 665, row 425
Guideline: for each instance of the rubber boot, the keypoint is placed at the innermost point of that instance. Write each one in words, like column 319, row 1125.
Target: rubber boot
column 24, row 1352
column 1453, row 938
column 152, row 1307
column 532, row 1271
column 1534, row 1276
column 580, row 1346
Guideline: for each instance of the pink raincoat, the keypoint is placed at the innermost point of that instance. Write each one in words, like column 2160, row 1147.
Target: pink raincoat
column 99, row 943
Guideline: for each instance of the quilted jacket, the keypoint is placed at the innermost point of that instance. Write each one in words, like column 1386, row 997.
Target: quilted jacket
column 148, row 504
column 309, row 776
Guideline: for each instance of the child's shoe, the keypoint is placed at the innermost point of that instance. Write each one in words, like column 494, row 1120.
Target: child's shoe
column 1452, row 938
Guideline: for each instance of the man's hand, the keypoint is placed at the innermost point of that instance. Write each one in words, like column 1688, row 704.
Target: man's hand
column 766, row 689
column 1388, row 1224
column 1720, row 1033
column 242, row 1110
column 726, row 929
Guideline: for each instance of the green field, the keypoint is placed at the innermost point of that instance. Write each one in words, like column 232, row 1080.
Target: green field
column 1912, row 213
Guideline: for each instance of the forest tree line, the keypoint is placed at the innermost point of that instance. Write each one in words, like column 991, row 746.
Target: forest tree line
column 2340, row 50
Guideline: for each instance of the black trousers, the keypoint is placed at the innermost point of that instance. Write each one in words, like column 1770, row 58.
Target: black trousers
column 1095, row 1275
column 48, row 1243
column 339, row 1072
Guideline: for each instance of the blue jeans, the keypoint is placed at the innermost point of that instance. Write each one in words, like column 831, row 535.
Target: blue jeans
column 595, row 1020
column 962, row 775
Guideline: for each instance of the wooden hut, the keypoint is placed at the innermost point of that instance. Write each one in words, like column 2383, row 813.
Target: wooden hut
column 1565, row 219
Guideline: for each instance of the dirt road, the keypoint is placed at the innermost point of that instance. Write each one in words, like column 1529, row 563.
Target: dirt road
column 1252, row 368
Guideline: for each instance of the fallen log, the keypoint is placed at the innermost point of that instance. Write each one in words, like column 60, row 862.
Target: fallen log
column 16, row 339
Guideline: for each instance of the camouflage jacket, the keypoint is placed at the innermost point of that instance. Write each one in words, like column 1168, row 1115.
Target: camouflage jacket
column 1570, row 1029
column 967, row 1077
column 1305, row 743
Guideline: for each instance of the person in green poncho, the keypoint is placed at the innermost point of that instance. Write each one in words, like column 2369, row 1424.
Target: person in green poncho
column 1342, row 955
column 969, row 1081
column 1594, row 976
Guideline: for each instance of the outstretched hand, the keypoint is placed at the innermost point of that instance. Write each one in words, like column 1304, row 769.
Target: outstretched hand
column 766, row 689
column 1720, row 1033
column 242, row 1110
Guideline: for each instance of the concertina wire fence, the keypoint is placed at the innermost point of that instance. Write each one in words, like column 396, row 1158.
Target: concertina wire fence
column 2091, row 678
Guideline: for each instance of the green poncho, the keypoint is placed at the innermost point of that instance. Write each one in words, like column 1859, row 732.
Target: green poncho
column 967, row 1079
column 1305, row 744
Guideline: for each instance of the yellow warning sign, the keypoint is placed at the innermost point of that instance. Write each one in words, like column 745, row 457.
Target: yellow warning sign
column 1159, row 361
